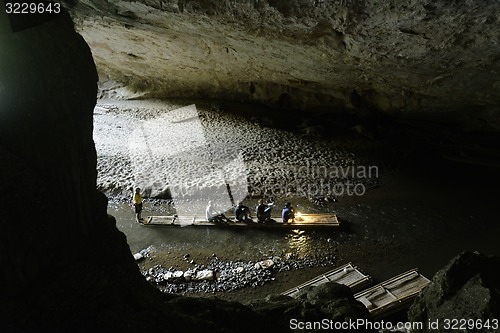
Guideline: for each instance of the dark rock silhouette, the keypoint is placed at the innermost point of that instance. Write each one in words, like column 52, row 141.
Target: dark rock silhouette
column 331, row 300
column 467, row 288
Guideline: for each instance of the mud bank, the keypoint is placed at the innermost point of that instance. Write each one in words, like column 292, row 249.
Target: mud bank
column 195, row 151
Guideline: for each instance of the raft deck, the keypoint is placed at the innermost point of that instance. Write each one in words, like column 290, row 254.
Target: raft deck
column 392, row 295
column 303, row 221
column 348, row 275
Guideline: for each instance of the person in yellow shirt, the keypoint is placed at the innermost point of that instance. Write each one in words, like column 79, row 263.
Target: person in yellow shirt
column 137, row 202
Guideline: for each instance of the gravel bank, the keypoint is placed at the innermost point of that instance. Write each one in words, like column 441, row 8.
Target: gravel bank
column 196, row 153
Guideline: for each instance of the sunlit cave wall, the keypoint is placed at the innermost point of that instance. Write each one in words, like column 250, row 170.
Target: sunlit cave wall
column 405, row 58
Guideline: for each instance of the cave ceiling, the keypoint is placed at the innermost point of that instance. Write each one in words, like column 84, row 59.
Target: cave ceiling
column 416, row 56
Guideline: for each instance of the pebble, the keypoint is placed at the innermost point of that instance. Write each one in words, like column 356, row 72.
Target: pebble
column 264, row 264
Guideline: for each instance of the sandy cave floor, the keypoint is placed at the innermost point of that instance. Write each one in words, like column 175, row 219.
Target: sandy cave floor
column 415, row 213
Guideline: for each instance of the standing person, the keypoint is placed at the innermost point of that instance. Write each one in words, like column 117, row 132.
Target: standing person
column 288, row 213
column 137, row 203
column 263, row 211
column 242, row 212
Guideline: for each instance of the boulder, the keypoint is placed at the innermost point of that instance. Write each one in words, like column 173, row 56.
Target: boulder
column 330, row 301
column 335, row 301
column 138, row 257
column 467, row 288
column 206, row 274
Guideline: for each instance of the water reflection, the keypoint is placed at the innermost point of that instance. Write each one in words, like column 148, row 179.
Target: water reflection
column 300, row 243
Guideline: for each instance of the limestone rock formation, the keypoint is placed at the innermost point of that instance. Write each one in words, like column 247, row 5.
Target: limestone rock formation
column 409, row 58
column 468, row 288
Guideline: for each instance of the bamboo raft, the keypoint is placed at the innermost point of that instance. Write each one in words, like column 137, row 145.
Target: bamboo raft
column 348, row 275
column 392, row 295
column 302, row 221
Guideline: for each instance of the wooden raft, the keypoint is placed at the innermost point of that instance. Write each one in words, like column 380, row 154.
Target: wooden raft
column 392, row 295
column 348, row 275
column 304, row 221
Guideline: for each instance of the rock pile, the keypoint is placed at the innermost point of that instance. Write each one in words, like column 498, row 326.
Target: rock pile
column 220, row 275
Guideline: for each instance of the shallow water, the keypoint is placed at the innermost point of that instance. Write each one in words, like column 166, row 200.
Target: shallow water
column 426, row 218
column 225, row 243
column 419, row 219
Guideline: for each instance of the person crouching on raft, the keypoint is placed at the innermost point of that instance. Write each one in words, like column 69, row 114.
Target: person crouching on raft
column 213, row 215
column 137, row 203
column 263, row 211
column 242, row 213
column 288, row 213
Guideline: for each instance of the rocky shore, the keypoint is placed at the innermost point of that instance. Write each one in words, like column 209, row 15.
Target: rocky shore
column 225, row 276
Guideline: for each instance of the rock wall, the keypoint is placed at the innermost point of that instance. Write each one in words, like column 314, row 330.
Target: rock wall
column 61, row 255
column 47, row 94
column 466, row 289
column 406, row 58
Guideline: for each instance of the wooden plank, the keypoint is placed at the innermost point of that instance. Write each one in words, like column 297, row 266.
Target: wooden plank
column 304, row 221
column 392, row 295
column 347, row 274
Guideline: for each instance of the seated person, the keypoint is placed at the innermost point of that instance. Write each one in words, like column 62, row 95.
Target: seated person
column 242, row 213
column 214, row 215
column 288, row 213
column 263, row 211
